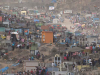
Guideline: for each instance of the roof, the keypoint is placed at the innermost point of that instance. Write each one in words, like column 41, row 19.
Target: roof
column 92, row 36
column 52, row 24
column 45, row 27
column 30, row 61
column 42, row 13
column 75, row 49
column 48, row 31
column 6, row 41
column 14, row 33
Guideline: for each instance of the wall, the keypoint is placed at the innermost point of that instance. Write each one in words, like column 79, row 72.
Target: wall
column 90, row 40
column 55, row 20
column 48, row 37
column 28, row 65
column 26, row 33
column 2, row 29
column 14, row 13
column 0, row 18
column 19, row 30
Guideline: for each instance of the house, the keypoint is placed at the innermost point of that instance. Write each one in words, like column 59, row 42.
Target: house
column 92, row 39
column 19, row 30
column 6, row 23
column 47, row 37
column 30, row 65
column 83, row 40
column 62, row 41
column 43, row 14
column 23, row 12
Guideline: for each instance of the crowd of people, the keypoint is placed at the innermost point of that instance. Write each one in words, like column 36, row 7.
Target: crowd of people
column 37, row 71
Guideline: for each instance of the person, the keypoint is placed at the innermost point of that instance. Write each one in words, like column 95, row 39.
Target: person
column 31, row 72
column 41, row 72
column 90, row 61
column 47, row 73
column 99, row 60
column 27, row 24
column 44, row 71
column 23, row 46
column 53, row 64
column 28, row 72
column 94, row 44
column 23, row 72
column 93, row 63
column 65, row 58
column 91, row 48
column 34, row 72
column 65, row 65
column 73, row 65
column 32, row 58
column 37, row 72
column 84, row 62
column 20, row 73
column 38, row 55
column 58, row 64
column 29, row 58
column 20, row 46
column 67, row 44
column 42, row 57
column 70, row 38
column 27, row 45
column 20, row 61
column 13, row 46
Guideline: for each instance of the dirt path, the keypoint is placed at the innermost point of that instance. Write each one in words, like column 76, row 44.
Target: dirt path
column 67, row 23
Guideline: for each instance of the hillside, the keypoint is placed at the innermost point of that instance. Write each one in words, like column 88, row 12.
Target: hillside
column 75, row 5
column 78, row 5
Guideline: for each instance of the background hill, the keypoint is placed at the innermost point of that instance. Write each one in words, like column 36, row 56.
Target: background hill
column 75, row 5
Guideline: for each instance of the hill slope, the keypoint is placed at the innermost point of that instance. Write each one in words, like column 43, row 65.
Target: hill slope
column 76, row 5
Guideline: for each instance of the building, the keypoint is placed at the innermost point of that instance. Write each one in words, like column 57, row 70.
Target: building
column 30, row 65
column 83, row 40
column 47, row 37
column 2, row 29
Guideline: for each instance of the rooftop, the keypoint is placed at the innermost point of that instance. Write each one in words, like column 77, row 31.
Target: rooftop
column 48, row 31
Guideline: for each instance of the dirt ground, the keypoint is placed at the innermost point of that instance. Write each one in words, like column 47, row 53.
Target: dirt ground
column 18, row 54
column 67, row 23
